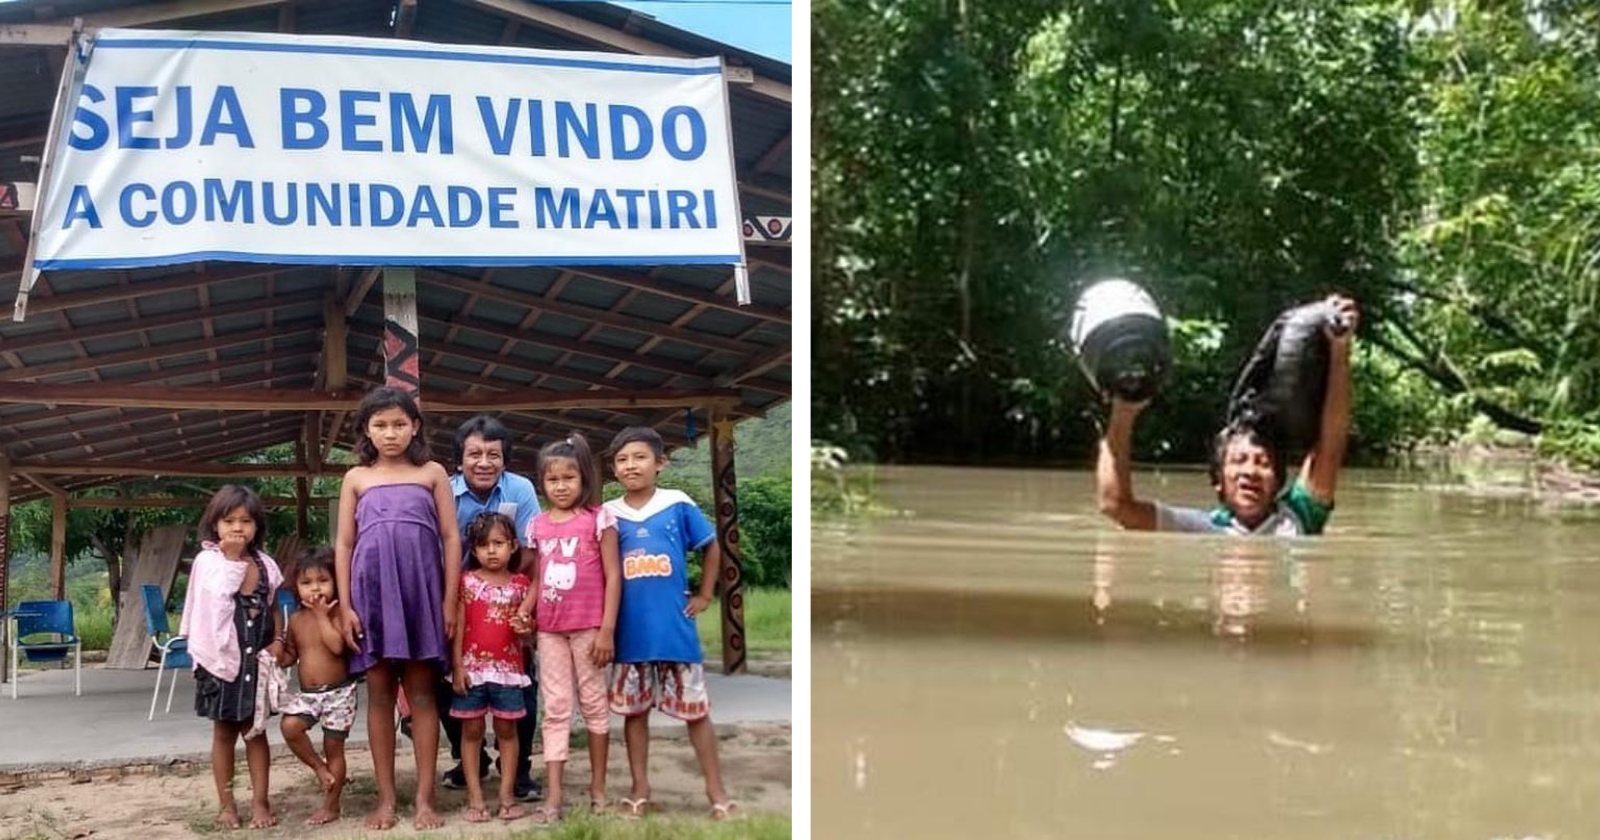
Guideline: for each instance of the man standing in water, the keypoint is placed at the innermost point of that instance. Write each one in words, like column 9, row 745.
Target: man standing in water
column 1247, row 471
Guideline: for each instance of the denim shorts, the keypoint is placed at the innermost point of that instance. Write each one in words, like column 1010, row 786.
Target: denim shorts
column 504, row 701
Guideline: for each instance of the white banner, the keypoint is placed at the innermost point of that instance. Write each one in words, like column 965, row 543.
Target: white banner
column 187, row 146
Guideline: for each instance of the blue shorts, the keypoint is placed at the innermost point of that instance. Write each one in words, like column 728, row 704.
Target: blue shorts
column 504, row 701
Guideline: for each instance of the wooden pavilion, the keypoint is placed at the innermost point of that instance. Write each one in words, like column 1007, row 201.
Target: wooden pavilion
column 173, row 370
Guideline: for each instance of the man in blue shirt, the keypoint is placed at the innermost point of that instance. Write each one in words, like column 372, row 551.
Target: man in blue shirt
column 482, row 483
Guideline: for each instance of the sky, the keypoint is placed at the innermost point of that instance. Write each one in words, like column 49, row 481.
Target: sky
column 760, row 26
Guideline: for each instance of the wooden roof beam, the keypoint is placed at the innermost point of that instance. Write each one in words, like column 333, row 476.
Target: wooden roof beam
column 185, row 430
column 54, row 415
column 274, row 399
column 404, row 16
column 139, row 288
column 159, row 351
column 758, row 365
column 242, row 307
column 219, row 439
column 684, row 293
column 174, row 10
column 598, row 351
column 605, row 317
column 601, row 35
column 150, row 468
column 132, row 502
column 774, row 153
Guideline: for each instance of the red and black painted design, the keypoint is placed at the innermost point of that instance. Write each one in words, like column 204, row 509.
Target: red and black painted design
column 732, row 573
column 401, row 364
column 768, row 228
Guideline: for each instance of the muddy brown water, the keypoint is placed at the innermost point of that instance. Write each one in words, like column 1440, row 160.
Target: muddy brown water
column 998, row 661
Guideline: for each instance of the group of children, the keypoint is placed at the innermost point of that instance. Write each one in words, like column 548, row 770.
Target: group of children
column 600, row 589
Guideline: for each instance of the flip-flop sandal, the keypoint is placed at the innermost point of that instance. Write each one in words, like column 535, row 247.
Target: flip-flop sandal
column 633, row 809
column 546, row 816
column 511, row 811
column 599, row 806
column 723, row 811
column 476, row 815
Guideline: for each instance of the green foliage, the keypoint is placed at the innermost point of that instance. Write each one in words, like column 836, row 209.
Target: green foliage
column 765, row 508
column 92, row 610
column 768, row 622
column 837, row 490
column 976, row 165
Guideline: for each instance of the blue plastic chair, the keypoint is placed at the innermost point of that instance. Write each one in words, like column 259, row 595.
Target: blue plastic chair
column 45, row 618
column 174, row 649
column 288, row 604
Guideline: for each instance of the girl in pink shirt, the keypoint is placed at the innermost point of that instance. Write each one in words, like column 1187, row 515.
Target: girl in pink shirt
column 578, row 584
column 228, row 620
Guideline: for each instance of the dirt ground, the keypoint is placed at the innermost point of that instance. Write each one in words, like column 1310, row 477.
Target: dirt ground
column 181, row 801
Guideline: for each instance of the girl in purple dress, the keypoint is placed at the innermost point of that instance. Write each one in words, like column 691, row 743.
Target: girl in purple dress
column 398, row 555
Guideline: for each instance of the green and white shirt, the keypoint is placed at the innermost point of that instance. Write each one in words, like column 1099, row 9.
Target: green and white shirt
column 1296, row 513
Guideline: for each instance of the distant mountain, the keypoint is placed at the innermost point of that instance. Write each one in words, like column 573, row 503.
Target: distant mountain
column 763, row 447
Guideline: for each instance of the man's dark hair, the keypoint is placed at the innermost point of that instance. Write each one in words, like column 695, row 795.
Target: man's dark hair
column 488, row 428
column 1250, row 434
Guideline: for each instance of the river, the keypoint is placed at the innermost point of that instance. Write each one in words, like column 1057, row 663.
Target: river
column 996, row 660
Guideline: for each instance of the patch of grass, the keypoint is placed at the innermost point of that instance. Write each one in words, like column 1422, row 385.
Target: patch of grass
column 582, row 826
column 767, row 623
column 202, row 819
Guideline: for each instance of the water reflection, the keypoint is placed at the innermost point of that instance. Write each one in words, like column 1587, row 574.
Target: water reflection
column 996, row 662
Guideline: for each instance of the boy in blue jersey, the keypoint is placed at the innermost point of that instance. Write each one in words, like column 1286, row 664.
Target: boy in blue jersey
column 658, row 658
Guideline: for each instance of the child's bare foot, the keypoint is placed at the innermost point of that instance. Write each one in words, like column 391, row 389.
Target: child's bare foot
column 476, row 813
column 382, row 817
column 261, row 815
column 228, row 817
column 323, row 815
column 427, row 818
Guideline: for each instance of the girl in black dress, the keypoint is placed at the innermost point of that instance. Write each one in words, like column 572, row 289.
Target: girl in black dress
column 228, row 619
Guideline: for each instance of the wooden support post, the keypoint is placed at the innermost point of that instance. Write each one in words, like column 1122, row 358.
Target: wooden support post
column 302, row 485
column 5, row 559
column 401, row 363
column 302, row 498
column 332, row 373
column 731, row 578
column 58, row 545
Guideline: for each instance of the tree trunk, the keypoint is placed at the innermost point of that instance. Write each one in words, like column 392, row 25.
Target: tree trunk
column 113, row 574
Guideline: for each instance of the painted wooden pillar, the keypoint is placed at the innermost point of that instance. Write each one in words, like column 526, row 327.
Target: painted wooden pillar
column 731, row 576
column 5, row 559
column 401, row 363
column 58, row 545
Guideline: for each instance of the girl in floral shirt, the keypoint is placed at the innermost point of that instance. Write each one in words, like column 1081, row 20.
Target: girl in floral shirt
column 487, row 658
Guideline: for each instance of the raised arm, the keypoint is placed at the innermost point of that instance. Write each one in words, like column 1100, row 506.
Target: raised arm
column 1114, row 471
column 328, row 630
column 1321, row 468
